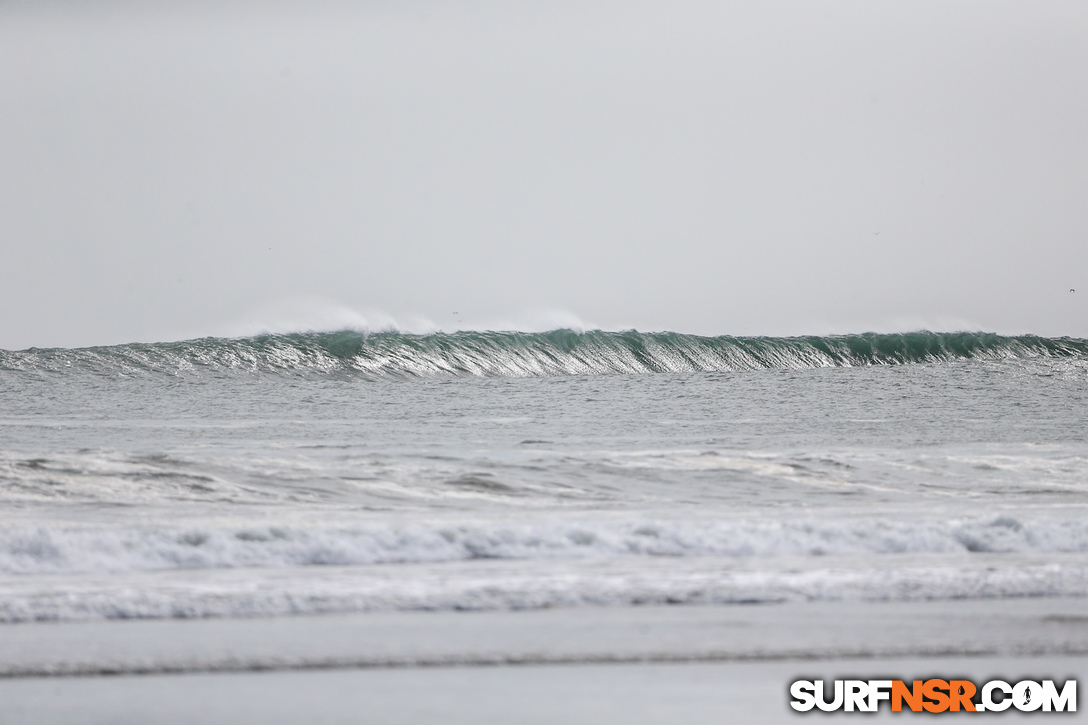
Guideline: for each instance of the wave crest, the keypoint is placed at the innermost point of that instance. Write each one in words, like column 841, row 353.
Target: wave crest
column 518, row 354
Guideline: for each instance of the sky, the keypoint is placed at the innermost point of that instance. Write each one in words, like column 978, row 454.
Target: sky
column 187, row 168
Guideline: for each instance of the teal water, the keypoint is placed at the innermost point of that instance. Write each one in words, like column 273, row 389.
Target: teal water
column 516, row 354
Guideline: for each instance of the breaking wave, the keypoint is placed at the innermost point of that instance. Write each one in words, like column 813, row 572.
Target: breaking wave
column 211, row 571
column 41, row 550
column 517, row 354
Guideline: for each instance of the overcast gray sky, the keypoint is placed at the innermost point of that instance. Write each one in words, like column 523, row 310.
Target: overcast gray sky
column 186, row 168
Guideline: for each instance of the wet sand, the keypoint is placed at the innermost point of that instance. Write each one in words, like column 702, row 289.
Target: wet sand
column 636, row 664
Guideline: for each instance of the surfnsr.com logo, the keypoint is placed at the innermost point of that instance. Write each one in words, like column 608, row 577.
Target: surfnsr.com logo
column 934, row 696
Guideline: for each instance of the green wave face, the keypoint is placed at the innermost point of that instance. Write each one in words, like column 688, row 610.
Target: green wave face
column 516, row 354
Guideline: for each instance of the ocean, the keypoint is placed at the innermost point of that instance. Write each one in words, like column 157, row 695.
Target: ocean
column 350, row 472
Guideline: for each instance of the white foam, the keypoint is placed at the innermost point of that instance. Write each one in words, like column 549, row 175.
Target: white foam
column 506, row 585
column 85, row 549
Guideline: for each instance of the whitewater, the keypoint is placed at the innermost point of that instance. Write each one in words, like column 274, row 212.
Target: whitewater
column 358, row 472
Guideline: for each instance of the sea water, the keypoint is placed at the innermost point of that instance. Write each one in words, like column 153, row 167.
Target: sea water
column 343, row 472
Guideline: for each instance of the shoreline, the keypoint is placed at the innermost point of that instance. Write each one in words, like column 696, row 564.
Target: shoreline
column 817, row 631
column 652, row 665
column 632, row 694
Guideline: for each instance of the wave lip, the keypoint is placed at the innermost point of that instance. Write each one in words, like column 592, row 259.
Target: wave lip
column 385, row 355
